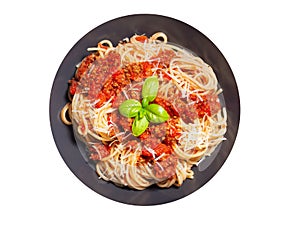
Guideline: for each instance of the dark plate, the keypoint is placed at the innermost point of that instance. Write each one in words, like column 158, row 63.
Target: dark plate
column 115, row 30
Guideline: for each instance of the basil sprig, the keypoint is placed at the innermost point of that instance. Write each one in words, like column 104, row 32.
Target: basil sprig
column 144, row 112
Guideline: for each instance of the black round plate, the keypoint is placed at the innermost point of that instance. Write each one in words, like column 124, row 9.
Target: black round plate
column 115, row 30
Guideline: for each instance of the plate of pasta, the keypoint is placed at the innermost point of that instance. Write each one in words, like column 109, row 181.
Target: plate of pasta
column 144, row 109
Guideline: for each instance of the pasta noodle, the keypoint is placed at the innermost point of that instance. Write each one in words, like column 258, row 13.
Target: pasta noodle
column 165, row 152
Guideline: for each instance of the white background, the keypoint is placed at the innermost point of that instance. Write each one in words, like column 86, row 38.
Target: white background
column 258, row 184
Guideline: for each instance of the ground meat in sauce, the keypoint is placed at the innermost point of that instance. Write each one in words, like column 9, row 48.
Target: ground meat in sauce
column 164, row 161
column 164, row 57
column 138, row 71
column 98, row 151
column 165, row 168
column 93, row 73
column 179, row 107
column 209, row 104
column 80, row 72
column 187, row 112
column 167, row 105
column 84, row 66
column 152, row 137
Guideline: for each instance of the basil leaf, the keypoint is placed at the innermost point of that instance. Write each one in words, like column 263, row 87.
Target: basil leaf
column 156, row 113
column 150, row 88
column 130, row 108
column 145, row 102
column 139, row 125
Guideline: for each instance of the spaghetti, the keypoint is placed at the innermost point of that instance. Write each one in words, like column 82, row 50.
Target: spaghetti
column 165, row 152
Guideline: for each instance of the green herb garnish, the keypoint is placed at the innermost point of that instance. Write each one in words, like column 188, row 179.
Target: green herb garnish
column 144, row 112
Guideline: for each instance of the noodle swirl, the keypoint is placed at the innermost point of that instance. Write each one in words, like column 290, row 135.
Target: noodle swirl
column 165, row 153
